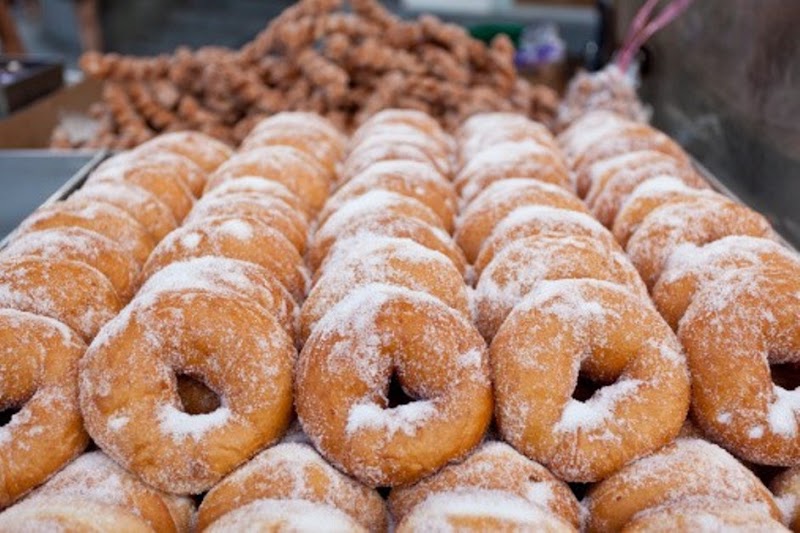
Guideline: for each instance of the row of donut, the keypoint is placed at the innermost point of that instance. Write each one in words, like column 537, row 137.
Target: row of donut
column 717, row 274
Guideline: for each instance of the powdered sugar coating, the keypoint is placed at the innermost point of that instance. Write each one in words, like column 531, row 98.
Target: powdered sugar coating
column 287, row 515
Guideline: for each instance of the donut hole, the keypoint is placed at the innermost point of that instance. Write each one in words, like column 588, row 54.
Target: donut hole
column 196, row 397
column 786, row 375
column 396, row 395
column 8, row 413
column 585, row 387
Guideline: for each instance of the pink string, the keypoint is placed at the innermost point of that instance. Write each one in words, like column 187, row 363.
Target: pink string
column 640, row 32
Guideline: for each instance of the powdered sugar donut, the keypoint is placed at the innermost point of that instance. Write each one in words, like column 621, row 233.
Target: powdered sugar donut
column 481, row 510
column 786, row 488
column 485, row 130
column 285, row 515
column 344, row 373
column 703, row 515
column 525, row 159
column 540, row 220
column 394, row 119
column 254, row 185
column 325, row 150
column 613, row 337
column 392, row 147
column 241, row 238
column 373, row 259
column 686, row 470
column 156, row 163
column 204, row 151
column 408, row 178
column 587, row 130
column 290, row 167
column 104, row 219
column 129, row 397
column 68, row 291
column 494, row 466
column 39, row 366
column 733, row 330
column 690, row 267
column 499, row 199
column 139, row 203
column 438, row 149
column 697, row 222
column 84, row 246
column 293, row 471
column 520, row 266
column 70, row 514
column 331, row 141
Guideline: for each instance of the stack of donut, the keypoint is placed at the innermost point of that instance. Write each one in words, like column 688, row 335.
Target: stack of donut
column 393, row 379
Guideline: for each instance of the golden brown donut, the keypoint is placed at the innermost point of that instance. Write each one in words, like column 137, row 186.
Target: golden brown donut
column 314, row 143
column 520, row 266
column 139, row 203
column 637, row 358
column 690, row 267
column 70, row 514
column 345, row 370
column 543, row 220
column 286, row 515
column 479, row 511
column 525, row 159
column 129, row 396
column 290, row 167
column 253, row 185
column 392, row 119
column 68, row 291
column 39, row 368
column 84, row 246
column 649, row 196
column 483, row 214
column 242, row 238
column 587, row 130
column 371, row 259
column 684, row 470
column 300, row 120
column 484, row 130
column 204, row 151
column 155, row 163
column 733, row 330
column 438, row 146
column 408, row 178
column 271, row 211
column 102, row 218
column 293, row 471
column 494, row 466
column 699, row 221
column 786, row 488
column 704, row 515
column 388, row 145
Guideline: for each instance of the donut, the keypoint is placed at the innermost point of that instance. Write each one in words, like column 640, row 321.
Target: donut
column 242, row 238
column 499, row 199
column 494, row 466
column 271, row 211
column 68, row 291
column 231, row 277
column 83, row 246
column 390, row 145
column 697, row 222
column 255, row 186
column 293, row 471
column 70, row 514
column 360, row 211
column 540, row 220
column 105, row 219
column 369, row 259
column 39, row 366
column 139, row 203
column 587, row 130
column 690, row 267
column 485, row 130
column 203, row 150
column 647, row 197
column 95, row 479
column 732, row 331
column 704, row 515
column 408, row 178
column 684, row 470
column 345, row 370
column 317, row 144
column 645, row 394
column 511, row 160
column 129, row 397
column 286, row 515
column 409, row 118
column 520, row 266
column 157, row 164
column 304, row 121
column 615, row 184
column 786, row 488
column 481, row 510
column 438, row 146
column 290, row 167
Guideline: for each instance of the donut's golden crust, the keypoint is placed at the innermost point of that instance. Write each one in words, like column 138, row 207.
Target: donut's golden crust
column 39, row 368
column 502, row 197
column 681, row 471
column 719, row 516
column 733, row 330
column 391, row 148
column 285, row 515
column 485, row 130
column 105, row 219
column 83, row 246
column 68, row 291
column 293, row 471
column 70, row 514
column 402, row 118
column 641, row 411
column 129, row 398
column 241, row 238
column 344, row 373
column 157, row 164
column 498, row 467
column 256, row 186
column 786, row 488
column 438, row 149
column 315, row 144
column 206, row 152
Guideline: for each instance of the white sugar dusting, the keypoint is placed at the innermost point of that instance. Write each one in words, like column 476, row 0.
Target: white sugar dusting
column 599, row 408
column 237, row 228
column 783, row 412
column 181, row 425
column 405, row 418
